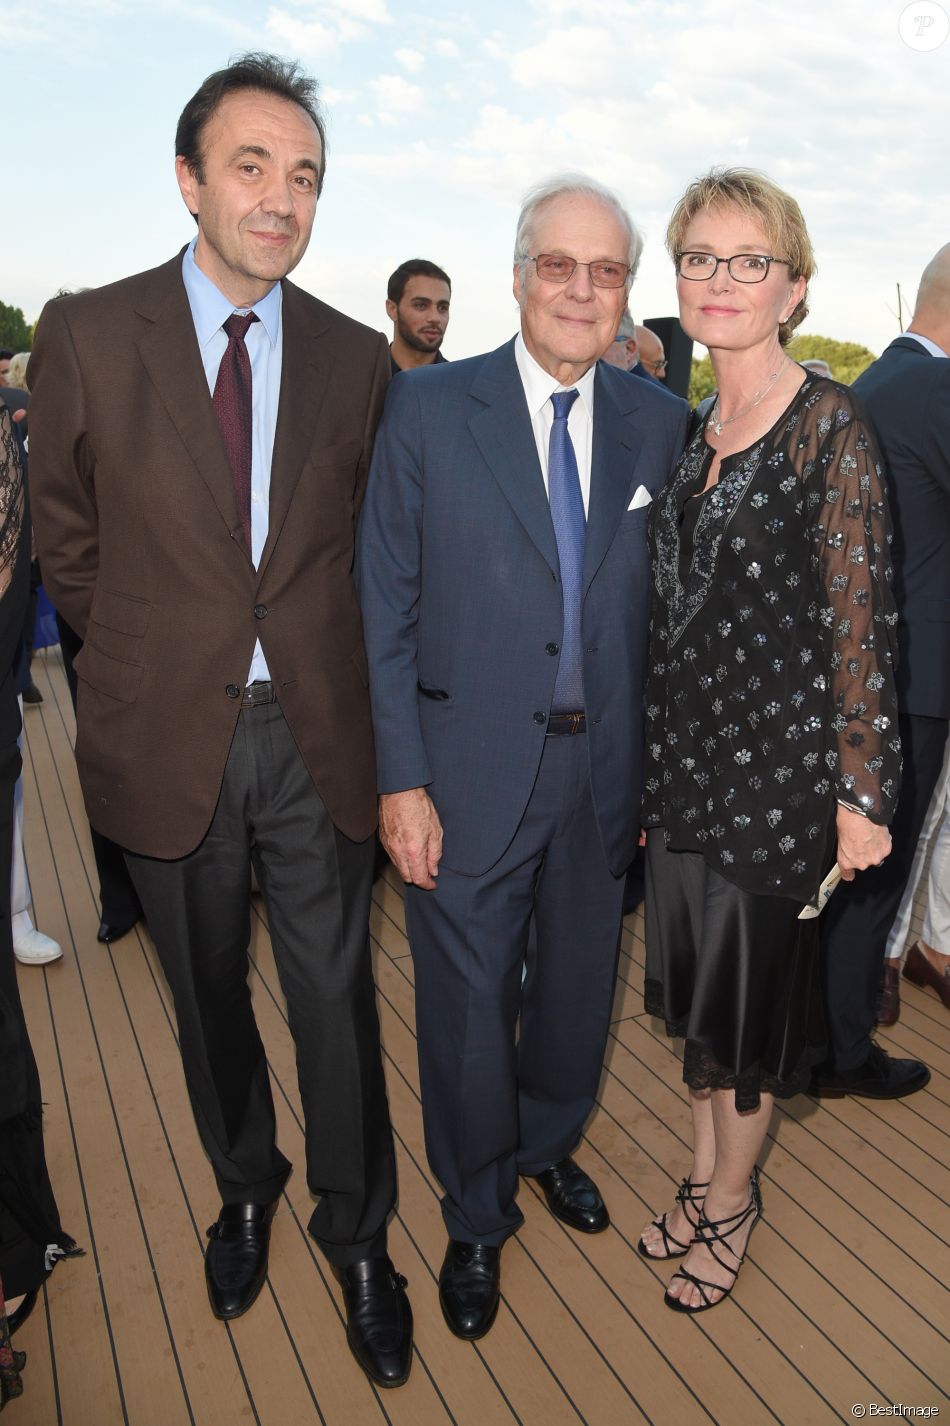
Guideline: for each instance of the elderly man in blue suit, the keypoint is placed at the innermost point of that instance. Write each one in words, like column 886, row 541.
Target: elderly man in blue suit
column 504, row 580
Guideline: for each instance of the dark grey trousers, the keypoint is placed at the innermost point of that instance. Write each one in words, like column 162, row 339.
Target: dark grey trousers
column 496, row 1103
column 317, row 885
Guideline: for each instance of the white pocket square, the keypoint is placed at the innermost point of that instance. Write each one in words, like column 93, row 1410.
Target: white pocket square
column 642, row 497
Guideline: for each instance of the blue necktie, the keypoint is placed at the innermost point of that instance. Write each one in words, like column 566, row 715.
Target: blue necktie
column 570, row 531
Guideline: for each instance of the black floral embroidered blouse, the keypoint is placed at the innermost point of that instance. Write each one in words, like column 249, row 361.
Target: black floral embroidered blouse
column 773, row 638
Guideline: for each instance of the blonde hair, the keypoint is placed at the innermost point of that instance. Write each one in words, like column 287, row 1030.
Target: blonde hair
column 759, row 198
column 16, row 376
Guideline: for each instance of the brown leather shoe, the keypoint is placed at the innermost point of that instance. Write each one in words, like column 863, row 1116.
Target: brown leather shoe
column 889, row 994
column 921, row 970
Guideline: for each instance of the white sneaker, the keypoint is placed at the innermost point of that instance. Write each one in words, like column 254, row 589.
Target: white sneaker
column 32, row 948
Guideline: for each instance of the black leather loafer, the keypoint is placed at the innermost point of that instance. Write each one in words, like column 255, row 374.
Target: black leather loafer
column 378, row 1320
column 879, row 1077
column 236, row 1257
column 110, row 931
column 18, row 1316
column 573, row 1197
column 470, row 1288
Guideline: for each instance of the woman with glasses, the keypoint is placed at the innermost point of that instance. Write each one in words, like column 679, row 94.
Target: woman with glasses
column 771, row 720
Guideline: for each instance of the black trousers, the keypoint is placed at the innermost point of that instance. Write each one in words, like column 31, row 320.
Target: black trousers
column 858, row 919
column 496, row 1103
column 317, row 886
column 117, row 896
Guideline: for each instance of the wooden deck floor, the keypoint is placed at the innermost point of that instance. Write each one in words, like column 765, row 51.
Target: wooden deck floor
column 844, row 1300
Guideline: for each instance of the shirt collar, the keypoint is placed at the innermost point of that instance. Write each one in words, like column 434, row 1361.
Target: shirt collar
column 539, row 385
column 210, row 309
column 927, row 344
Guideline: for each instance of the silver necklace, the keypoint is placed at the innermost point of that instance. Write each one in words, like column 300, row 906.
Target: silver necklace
column 719, row 426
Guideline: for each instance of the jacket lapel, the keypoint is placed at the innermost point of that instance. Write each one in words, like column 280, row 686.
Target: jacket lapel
column 502, row 431
column 304, row 379
column 615, row 454
column 169, row 351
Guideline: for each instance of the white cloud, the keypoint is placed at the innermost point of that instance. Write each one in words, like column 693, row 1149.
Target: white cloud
column 308, row 38
column 331, row 12
column 448, row 49
column 579, row 58
column 412, row 60
column 396, row 95
column 319, row 31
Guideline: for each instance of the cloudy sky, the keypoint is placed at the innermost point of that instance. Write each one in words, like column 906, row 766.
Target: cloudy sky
column 442, row 113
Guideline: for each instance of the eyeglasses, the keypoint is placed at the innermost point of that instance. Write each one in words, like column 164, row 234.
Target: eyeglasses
column 553, row 267
column 657, row 367
column 742, row 267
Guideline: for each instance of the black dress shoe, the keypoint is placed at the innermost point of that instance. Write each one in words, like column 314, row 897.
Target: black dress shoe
column 879, row 1077
column 18, row 1316
column 573, row 1197
column 378, row 1320
column 236, row 1256
column 110, row 931
column 470, row 1287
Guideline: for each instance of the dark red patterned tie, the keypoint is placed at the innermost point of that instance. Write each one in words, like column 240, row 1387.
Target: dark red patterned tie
column 232, row 406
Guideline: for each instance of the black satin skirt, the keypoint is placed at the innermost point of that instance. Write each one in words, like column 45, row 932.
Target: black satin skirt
column 733, row 974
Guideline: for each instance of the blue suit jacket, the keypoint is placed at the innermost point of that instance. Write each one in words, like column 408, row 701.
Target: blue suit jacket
column 461, row 596
column 906, row 393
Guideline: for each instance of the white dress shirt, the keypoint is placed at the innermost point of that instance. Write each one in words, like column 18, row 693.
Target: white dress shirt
column 539, row 387
column 926, row 343
column 210, row 309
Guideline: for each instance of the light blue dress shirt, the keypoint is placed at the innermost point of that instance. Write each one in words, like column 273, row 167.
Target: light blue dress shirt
column 210, row 309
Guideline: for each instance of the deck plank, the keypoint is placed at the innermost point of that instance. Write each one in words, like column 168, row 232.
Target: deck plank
column 843, row 1299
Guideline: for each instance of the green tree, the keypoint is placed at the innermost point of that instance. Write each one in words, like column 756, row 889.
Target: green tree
column 846, row 359
column 702, row 383
column 15, row 332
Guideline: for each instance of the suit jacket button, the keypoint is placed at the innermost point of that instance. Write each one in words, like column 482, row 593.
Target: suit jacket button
column 261, row 611
column 233, row 691
column 540, row 718
column 552, row 649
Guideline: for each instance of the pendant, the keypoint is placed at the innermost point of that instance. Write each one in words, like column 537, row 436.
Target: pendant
column 717, row 428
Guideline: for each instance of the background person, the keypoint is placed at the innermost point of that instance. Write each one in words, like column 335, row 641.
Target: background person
column 652, row 353
column 622, row 349
column 31, row 1235
column 927, row 962
column 418, row 298
column 770, row 707
column 907, row 396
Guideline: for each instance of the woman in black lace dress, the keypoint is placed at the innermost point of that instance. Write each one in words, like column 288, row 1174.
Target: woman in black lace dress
column 772, row 743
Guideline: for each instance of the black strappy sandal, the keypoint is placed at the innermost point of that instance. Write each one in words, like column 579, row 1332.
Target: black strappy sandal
column 686, row 1194
column 710, row 1233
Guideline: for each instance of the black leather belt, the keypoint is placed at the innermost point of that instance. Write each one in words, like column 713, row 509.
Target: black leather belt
column 262, row 691
column 562, row 725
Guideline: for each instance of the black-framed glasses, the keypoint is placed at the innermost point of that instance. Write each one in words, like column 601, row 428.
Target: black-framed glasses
column 555, row 267
column 657, row 367
column 742, row 267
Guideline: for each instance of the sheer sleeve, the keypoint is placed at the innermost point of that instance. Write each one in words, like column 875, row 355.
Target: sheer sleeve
column 851, row 530
column 11, row 499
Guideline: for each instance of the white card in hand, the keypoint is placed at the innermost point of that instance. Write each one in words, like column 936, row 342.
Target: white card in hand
column 815, row 908
column 642, row 497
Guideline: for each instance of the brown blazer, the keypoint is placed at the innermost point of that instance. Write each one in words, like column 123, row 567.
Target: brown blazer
column 140, row 543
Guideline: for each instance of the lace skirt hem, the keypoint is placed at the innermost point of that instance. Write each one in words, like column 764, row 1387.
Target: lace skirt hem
column 702, row 1070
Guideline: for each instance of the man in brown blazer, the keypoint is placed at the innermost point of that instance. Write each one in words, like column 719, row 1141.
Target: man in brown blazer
column 201, row 438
